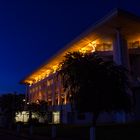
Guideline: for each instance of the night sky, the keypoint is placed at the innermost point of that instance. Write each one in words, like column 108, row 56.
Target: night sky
column 31, row 31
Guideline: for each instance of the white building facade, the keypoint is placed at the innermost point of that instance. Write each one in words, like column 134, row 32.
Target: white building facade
column 116, row 36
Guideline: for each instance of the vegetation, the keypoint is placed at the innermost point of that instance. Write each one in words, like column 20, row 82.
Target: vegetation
column 10, row 104
column 40, row 108
column 95, row 85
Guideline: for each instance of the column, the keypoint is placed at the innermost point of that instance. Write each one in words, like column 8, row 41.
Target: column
column 59, row 90
column 53, row 91
column 120, row 50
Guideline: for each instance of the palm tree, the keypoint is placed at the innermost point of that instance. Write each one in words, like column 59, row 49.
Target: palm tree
column 95, row 85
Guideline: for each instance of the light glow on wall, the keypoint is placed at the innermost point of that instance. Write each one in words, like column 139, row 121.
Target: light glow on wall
column 55, row 67
column 93, row 45
column 51, row 67
column 56, row 117
column 134, row 44
column 24, row 116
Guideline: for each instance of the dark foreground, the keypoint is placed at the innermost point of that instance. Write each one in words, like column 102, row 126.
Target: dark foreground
column 130, row 131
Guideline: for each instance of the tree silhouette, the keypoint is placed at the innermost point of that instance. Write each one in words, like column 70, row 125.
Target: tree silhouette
column 95, row 85
column 10, row 104
column 40, row 108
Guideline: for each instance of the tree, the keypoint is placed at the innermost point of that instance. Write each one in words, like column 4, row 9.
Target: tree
column 40, row 108
column 95, row 85
column 10, row 104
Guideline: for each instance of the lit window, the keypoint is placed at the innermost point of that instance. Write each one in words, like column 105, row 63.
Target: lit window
column 22, row 116
column 56, row 117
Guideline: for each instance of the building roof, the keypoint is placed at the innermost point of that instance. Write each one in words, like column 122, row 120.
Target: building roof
column 103, row 30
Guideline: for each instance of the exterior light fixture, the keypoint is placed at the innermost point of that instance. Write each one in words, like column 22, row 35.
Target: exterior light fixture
column 23, row 100
column 93, row 45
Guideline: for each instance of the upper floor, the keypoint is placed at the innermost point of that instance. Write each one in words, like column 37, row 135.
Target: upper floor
column 116, row 36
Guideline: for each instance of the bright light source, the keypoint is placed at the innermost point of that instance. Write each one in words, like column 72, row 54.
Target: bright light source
column 93, row 45
column 22, row 116
column 56, row 117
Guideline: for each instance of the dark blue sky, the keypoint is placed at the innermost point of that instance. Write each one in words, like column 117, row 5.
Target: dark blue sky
column 31, row 31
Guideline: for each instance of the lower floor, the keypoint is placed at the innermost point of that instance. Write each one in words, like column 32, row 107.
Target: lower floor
column 64, row 114
column 65, row 117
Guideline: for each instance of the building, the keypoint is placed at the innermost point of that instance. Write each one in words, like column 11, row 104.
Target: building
column 116, row 36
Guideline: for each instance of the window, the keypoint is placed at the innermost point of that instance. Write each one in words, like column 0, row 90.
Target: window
column 56, row 117
column 49, row 82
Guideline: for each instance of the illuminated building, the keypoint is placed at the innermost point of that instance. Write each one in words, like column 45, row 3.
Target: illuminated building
column 116, row 36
